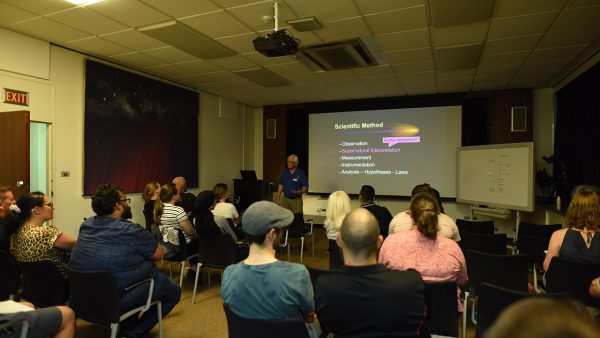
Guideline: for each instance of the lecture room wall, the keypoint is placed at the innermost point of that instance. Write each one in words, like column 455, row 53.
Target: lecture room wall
column 54, row 78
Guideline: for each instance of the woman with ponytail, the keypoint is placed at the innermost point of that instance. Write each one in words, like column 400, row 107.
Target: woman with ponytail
column 436, row 258
column 31, row 239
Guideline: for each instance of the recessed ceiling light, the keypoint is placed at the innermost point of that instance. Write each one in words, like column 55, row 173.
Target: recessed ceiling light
column 83, row 2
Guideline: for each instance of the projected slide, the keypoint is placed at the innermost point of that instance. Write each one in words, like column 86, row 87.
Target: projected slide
column 393, row 150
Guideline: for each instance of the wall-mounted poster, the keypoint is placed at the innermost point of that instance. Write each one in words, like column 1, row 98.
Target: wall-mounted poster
column 137, row 130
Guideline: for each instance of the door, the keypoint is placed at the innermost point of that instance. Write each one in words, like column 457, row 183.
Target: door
column 14, row 151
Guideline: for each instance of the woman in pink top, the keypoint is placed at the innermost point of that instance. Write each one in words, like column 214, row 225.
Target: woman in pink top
column 436, row 258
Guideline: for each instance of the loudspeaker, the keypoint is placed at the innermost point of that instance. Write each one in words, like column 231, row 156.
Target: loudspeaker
column 271, row 128
column 518, row 119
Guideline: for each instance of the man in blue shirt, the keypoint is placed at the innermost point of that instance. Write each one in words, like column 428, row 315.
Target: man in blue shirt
column 109, row 242
column 292, row 183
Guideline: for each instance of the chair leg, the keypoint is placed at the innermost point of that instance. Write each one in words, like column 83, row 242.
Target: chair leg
column 208, row 271
column 288, row 247
column 196, row 281
column 181, row 275
column 464, row 316
column 473, row 311
column 301, row 248
column 313, row 245
column 160, row 326
column 114, row 328
column 170, row 270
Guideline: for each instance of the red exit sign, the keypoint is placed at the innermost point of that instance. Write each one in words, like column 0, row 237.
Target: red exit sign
column 16, row 97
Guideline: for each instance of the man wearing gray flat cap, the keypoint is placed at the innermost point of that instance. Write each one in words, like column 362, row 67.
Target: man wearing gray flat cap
column 262, row 287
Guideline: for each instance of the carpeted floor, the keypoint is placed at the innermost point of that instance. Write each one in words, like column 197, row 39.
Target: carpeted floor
column 205, row 318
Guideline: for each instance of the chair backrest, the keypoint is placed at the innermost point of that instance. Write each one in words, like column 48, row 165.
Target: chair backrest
column 217, row 251
column 336, row 258
column 43, row 283
column 494, row 299
column 507, row 271
column 297, row 228
column 239, row 327
column 478, row 227
column 572, row 277
column 533, row 247
column 11, row 276
column 537, row 230
column 316, row 273
column 494, row 244
column 182, row 253
column 94, row 296
column 441, row 304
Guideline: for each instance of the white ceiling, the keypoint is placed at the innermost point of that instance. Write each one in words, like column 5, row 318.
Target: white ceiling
column 526, row 43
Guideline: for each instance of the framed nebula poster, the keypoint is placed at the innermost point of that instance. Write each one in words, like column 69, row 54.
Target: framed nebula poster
column 137, row 130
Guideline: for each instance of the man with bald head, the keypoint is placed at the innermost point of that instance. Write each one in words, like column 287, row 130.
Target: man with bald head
column 366, row 297
column 186, row 199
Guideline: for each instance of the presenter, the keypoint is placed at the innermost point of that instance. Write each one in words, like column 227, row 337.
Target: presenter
column 292, row 183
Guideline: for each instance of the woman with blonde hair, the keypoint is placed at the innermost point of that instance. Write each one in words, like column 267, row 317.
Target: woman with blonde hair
column 150, row 195
column 338, row 206
column 222, row 207
column 169, row 217
column 580, row 241
column 435, row 257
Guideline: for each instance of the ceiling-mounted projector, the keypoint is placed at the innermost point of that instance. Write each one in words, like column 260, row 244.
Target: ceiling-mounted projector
column 278, row 43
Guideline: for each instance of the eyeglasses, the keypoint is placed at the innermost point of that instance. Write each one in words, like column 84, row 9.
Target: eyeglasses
column 128, row 200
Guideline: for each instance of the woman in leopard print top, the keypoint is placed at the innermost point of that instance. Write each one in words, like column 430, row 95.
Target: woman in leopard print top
column 33, row 241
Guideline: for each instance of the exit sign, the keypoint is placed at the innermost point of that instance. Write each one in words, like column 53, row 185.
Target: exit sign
column 16, row 97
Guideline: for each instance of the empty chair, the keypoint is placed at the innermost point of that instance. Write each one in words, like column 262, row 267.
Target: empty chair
column 95, row 297
column 478, row 227
column 537, row 230
column 510, row 272
column 494, row 244
column 14, row 325
column 572, row 277
column 299, row 229
column 336, row 258
column 441, row 304
column 218, row 252
column 11, row 277
column 239, row 327
column 534, row 248
column 43, row 284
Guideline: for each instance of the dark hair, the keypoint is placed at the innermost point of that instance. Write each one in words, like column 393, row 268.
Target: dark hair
column 367, row 192
column 3, row 190
column 257, row 239
column 204, row 220
column 436, row 194
column 26, row 203
column 424, row 212
column 105, row 198
column 425, row 187
column 167, row 191
column 220, row 189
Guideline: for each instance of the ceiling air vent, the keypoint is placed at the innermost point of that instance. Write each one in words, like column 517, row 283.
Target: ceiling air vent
column 355, row 53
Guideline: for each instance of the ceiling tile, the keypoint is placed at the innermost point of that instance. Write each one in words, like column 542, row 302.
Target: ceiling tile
column 41, row 7
column 521, row 25
column 502, row 72
column 398, row 21
column 544, row 66
column 418, row 38
column 388, row 91
column 87, row 21
column 233, row 62
column 233, row 3
column 457, row 57
column 417, row 67
column 10, row 14
column 129, row 12
column 410, row 56
column 371, row 7
column 239, row 43
column 306, row 38
column 182, row 8
column 582, row 3
column 290, row 68
column 323, row 10
column 506, row 8
column 303, row 78
column 456, row 74
column 374, row 71
column 567, row 52
column 502, row 59
column 516, row 44
column 266, row 61
column 169, row 54
column 416, row 77
column 454, row 85
column 199, row 66
column 460, row 34
column 388, row 80
column 97, row 46
column 575, row 26
column 343, row 29
column 48, row 30
column 337, row 75
column 481, row 86
column 137, row 59
column 459, row 12
column 134, row 39
column 167, row 70
column 252, row 15
column 216, row 24
column 420, row 88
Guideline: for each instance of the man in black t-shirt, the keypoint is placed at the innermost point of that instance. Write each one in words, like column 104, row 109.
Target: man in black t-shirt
column 366, row 196
column 366, row 297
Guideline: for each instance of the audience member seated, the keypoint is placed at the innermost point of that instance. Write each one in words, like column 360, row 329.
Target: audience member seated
column 366, row 197
column 222, row 207
column 150, row 195
column 110, row 242
column 55, row 321
column 541, row 317
column 186, row 199
column 7, row 205
column 595, row 287
column 205, row 221
column 580, row 241
column 402, row 222
column 170, row 217
column 338, row 206
column 31, row 240
column 436, row 258
column 365, row 298
column 262, row 287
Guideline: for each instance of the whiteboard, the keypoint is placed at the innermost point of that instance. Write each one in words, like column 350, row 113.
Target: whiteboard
column 499, row 175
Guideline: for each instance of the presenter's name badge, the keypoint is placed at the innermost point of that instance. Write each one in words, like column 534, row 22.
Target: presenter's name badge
column 16, row 97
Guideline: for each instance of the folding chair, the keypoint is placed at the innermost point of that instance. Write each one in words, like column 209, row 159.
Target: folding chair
column 239, row 327
column 11, row 277
column 43, row 284
column 441, row 304
column 478, row 227
column 574, row 278
column 299, row 229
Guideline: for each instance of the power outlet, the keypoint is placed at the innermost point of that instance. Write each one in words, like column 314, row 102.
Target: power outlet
column 65, row 173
